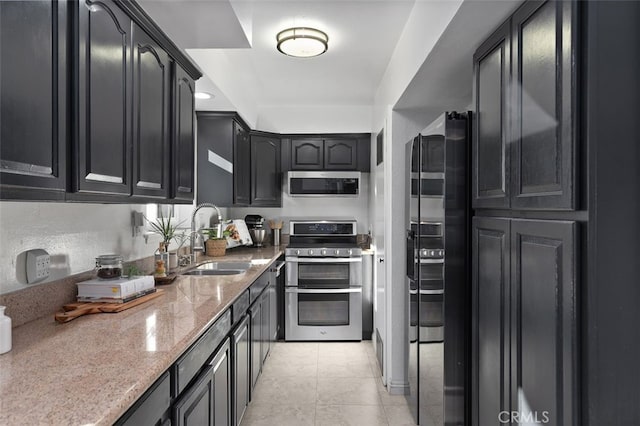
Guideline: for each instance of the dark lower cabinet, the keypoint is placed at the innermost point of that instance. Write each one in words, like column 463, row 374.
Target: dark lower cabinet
column 255, row 315
column 207, row 401
column 151, row 116
column 241, row 369
column 33, row 109
column 183, row 149
column 265, row 322
column 196, row 406
column 543, row 320
column 103, row 152
column 524, row 320
column 153, row 407
column 491, row 248
column 222, row 378
column 266, row 180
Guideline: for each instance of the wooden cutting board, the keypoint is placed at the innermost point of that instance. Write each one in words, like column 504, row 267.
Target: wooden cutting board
column 77, row 309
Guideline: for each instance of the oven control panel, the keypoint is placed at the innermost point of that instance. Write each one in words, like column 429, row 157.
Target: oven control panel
column 324, row 252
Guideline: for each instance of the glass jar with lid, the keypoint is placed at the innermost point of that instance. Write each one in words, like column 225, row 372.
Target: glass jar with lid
column 109, row 266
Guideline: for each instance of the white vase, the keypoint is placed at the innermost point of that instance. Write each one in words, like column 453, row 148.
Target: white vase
column 5, row 332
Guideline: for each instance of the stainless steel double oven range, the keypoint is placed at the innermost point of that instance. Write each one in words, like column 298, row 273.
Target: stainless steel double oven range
column 323, row 291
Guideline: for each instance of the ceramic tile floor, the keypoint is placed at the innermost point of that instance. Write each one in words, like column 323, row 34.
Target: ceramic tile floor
column 324, row 384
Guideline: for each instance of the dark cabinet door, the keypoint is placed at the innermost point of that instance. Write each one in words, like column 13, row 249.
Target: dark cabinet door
column 543, row 114
column 196, row 405
column 273, row 309
column 241, row 166
column 256, row 340
column 183, row 135
column 492, row 69
column 215, row 159
column 543, row 320
column 266, row 182
column 103, row 154
column 221, row 364
column 151, row 115
column 34, row 101
column 341, row 154
column 265, row 322
column 241, row 370
column 307, row 154
column 490, row 309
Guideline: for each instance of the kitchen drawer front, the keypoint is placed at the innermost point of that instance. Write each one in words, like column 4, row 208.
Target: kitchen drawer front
column 258, row 286
column 152, row 406
column 188, row 366
column 240, row 307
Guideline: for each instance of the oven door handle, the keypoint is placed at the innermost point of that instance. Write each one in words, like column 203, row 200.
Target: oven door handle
column 426, row 291
column 324, row 259
column 323, row 290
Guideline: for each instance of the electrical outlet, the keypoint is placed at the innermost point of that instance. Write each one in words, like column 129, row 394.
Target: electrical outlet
column 37, row 265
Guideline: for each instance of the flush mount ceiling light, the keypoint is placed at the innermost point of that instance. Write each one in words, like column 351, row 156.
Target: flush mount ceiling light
column 302, row 42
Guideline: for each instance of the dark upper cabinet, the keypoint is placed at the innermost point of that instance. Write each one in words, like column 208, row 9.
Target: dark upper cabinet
column 524, row 149
column 151, row 116
column 341, row 154
column 492, row 70
column 183, row 146
column 307, row 154
column 216, row 165
column 104, row 120
column 543, row 160
column 266, row 181
column 543, row 320
column 329, row 153
column 490, row 334
column 224, row 168
column 524, row 319
column 103, row 151
column 242, row 165
column 33, row 157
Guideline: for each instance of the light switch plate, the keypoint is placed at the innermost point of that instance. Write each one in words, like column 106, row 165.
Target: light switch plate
column 37, row 265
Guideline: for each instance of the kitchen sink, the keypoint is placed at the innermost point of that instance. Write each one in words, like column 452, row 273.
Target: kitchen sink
column 215, row 272
column 220, row 268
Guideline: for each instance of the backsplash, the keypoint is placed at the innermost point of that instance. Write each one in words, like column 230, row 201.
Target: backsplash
column 73, row 234
column 314, row 208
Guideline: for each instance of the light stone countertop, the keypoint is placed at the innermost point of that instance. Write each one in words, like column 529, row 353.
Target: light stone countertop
column 91, row 370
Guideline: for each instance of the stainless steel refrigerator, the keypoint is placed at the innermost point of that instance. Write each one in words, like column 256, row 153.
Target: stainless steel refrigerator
column 437, row 280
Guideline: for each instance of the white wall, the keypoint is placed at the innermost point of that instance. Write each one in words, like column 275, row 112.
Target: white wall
column 315, row 119
column 314, row 208
column 425, row 24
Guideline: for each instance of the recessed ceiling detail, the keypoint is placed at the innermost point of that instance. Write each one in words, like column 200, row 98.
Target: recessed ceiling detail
column 301, row 42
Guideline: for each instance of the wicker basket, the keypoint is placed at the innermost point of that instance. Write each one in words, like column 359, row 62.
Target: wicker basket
column 215, row 248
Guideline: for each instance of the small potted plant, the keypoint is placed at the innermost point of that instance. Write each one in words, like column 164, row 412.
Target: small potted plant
column 215, row 246
column 166, row 229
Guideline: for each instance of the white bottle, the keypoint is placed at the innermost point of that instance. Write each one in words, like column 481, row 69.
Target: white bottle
column 5, row 332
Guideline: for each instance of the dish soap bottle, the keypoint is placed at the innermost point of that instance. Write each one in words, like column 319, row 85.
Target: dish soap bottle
column 5, row 332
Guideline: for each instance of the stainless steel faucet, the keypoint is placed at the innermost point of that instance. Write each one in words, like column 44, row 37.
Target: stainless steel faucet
column 193, row 227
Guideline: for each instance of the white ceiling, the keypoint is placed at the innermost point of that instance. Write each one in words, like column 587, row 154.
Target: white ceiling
column 233, row 43
column 362, row 37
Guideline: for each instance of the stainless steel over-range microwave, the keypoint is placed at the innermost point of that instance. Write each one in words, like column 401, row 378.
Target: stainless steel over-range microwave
column 324, row 184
